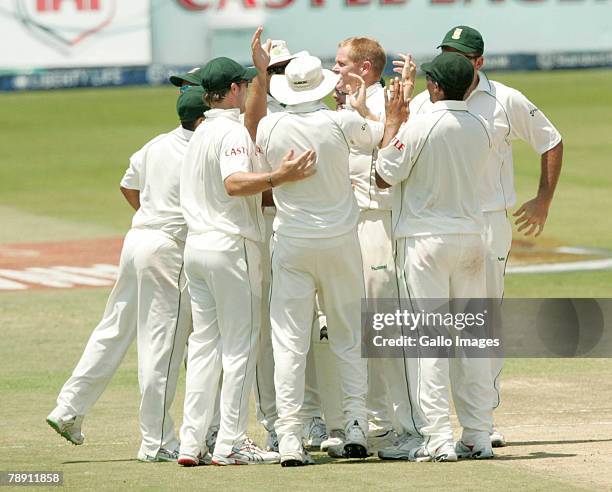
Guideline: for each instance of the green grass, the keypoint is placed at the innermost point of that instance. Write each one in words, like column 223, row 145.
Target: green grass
column 40, row 349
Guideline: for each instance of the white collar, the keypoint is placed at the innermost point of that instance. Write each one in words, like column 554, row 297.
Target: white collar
column 375, row 87
column 448, row 105
column 307, row 107
column 483, row 84
column 183, row 133
column 232, row 114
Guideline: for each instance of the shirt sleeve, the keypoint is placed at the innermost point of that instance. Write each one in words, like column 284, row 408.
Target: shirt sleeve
column 396, row 160
column 361, row 133
column 236, row 153
column 528, row 123
column 261, row 145
column 132, row 177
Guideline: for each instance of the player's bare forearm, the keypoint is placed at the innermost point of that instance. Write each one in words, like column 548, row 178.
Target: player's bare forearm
column 256, row 104
column 245, row 184
column 551, row 163
column 532, row 214
column 132, row 197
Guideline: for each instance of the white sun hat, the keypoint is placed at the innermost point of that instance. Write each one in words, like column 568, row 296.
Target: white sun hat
column 304, row 81
column 279, row 52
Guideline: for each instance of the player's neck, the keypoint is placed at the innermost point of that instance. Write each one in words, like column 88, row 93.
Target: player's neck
column 473, row 86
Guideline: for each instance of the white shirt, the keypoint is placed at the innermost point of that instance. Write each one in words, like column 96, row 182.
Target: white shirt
column 437, row 157
column 510, row 116
column 155, row 171
column 361, row 160
column 220, row 147
column 322, row 205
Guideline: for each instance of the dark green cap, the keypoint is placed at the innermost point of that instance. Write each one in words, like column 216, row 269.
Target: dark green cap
column 190, row 104
column 451, row 70
column 193, row 77
column 219, row 73
column 465, row 39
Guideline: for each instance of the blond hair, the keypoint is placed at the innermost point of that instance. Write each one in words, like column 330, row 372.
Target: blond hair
column 366, row 49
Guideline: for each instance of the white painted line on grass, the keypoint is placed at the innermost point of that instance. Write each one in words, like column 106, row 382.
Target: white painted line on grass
column 570, row 266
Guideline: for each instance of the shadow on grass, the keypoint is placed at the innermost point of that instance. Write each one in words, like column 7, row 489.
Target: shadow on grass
column 544, row 443
column 533, row 456
column 127, row 460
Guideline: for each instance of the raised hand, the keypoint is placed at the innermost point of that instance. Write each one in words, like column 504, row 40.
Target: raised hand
column 407, row 69
column 358, row 98
column 296, row 169
column 260, row 54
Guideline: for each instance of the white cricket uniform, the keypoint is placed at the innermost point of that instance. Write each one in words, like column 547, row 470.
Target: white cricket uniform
column 149, row 298
column 374, row 232
column 265, row 395
column 223, row 267
column 435, row 159
column 315, row 250
column 510, row 116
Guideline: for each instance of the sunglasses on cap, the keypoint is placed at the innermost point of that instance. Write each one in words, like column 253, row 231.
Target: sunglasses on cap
column 185, row 88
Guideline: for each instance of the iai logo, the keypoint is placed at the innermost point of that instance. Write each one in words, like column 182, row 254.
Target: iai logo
column 64, row 24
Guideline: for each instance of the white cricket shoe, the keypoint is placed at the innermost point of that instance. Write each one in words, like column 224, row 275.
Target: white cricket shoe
column 473, row 451
column 162, row 456
column 446, row 452
column 315, row 432
column 188, row 460
column 247, row 453
column 355, row 442
column 497, row 439
column 67, row 426
column 335, row 438
column 382, row 440
column 401, row 450
column 296, row 459
column 211, row 437
column 272, row 441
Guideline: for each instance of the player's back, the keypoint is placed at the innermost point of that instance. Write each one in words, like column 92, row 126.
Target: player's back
column 322, row 205
column 159, row 182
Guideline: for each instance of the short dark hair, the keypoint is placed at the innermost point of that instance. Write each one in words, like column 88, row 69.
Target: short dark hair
column 451, row 94
column 189, row 125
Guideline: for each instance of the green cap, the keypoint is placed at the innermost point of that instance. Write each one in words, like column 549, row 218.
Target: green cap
column 219, row 73
column 193, row 77
column 190, row 104
column 465, row 39
column 451, row 70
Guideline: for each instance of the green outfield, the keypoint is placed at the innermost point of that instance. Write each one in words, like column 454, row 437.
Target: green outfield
column 63, row 154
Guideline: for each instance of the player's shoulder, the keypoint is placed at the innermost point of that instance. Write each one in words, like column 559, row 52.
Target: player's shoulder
column 504, row 93
column 420, row 103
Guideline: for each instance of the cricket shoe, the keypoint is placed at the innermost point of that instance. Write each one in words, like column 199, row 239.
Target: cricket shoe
column 401, row 450
column 211, row 437
column 247, row 453
column 315, row 433
column 272, row 441
column 383, row 440
column 334, row 444
column 497, row 439
column 188, row 460
column 162, row 456
column 473, row 451
column 67, row 426
column 355, row 442
column 446, row 452
column 296, row 459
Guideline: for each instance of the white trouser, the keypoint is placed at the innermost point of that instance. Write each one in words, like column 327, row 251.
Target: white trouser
column 224, row 278
column 148, row 299
column 498, row 241
column 265, row 395
column 447, row 267
column 332, row 268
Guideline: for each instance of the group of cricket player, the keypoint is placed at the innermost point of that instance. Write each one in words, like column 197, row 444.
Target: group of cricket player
column 264, row 219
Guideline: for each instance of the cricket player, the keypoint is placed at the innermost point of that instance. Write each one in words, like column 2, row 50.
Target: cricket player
column 435, row 158
column 149, row 300
column 221, row 199
column 361, row 60
column 511, row 116
column 315, row 250
column 265, row 395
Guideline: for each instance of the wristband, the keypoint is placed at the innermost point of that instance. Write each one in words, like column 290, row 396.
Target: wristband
column 270, row 181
